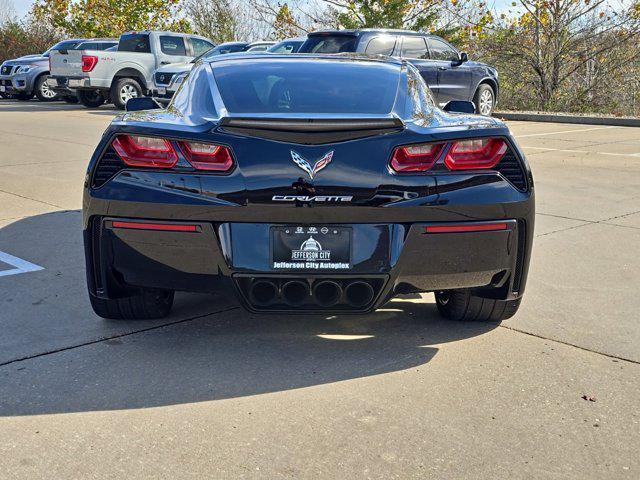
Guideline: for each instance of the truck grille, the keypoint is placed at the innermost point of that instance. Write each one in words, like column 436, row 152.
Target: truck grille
column 163, row 78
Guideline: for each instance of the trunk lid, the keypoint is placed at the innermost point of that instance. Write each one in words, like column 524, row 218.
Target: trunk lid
column 66, row 63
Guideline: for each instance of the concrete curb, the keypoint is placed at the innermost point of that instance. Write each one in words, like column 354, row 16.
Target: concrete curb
column 584, row 120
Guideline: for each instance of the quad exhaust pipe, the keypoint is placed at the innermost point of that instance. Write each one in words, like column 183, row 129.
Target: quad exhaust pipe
column 265, row 292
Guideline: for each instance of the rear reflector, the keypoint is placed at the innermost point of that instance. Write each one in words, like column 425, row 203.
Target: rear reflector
column 167, row 227
column 416, row 158
column 477, row 227
column 138, row 151
column 474, row 154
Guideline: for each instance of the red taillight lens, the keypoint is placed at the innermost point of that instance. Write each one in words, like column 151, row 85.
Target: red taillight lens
column 416, row 158
column 89, row 62
column 138, row 151
column 477, row 153
column 207, row 156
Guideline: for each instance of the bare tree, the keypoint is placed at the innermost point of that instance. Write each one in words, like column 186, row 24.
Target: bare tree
column 7, row 12
column 225, row 20
column 559, row 42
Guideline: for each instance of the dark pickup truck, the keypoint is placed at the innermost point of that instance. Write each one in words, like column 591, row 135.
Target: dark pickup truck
column 448, row 72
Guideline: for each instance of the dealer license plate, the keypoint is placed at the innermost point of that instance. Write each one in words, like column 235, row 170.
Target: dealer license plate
column 2, row 88
column 322, row 247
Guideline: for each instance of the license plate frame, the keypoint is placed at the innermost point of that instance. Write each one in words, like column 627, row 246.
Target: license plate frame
column 311, row 248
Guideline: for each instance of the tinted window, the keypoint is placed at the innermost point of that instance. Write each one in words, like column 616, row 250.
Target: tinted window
column 414, row 47
column 222, row 49
column 107, row 45
column 89, row 46
column 134, row 42
column 442, row 51
column 381, row 45
column 288, row 86
column 258, row 48
column 65, row 45
column 200, row 46
column 329, row 44
column 170, row 45
column 285, row 47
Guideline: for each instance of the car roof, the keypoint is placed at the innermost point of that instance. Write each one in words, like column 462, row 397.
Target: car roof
column 356, row 31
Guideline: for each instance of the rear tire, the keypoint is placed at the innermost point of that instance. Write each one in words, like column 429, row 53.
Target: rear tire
column 461, row 305
column 43, row 91
column 90, row 98
column 484, row 100
column 123, row 90
column 149, row 304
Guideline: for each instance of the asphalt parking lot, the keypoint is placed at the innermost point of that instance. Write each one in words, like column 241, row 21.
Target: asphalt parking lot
column 216, row 392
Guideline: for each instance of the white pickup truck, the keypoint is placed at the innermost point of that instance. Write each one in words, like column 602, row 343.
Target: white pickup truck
column 117, row 76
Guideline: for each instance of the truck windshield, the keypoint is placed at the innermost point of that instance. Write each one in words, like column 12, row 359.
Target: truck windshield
column 329, row 44
column 134, row 42
column 311, row 86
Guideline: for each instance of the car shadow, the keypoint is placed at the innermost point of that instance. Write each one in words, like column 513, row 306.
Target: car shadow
column 198, row 357
column 33, row 105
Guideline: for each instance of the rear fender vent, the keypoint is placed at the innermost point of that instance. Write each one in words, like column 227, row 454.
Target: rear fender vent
column 522, row 237
column 107, row 167
column 511, row 169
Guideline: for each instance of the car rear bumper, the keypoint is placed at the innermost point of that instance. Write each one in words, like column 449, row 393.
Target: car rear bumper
column 392, row 258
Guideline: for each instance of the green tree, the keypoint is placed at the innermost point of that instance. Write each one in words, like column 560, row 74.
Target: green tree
column 110, row 18
column 285, row 24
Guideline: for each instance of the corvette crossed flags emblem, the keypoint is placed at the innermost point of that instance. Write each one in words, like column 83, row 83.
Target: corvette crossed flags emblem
column 306, row 166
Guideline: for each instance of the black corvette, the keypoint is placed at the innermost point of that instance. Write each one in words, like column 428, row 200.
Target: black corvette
column 307, row 184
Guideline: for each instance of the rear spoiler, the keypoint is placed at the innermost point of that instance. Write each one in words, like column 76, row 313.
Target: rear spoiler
column 311, row 130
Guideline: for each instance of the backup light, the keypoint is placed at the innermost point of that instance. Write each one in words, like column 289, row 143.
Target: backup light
column 416, row 158
column 480, row 153
column 207, row 156
column 138, row 151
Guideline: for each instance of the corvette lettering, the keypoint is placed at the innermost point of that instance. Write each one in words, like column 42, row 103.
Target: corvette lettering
column 314, row 198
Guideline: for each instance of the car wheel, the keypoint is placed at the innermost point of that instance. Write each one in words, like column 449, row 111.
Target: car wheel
column 43, row 91
column 461, row 305
column 5, row 95
column 124, row 90
column 149, row 304
column 90, row 98
column 23, row 97
column 484, row 100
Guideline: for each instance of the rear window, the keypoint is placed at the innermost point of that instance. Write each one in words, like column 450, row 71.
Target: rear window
column 171, row 45
column 329, row 44
column 290, row 86
column 134, row 42
column 64, row 45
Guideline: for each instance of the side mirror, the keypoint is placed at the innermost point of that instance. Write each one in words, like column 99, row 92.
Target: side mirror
column 142, row 103
column 457, row 106
column 464, row 57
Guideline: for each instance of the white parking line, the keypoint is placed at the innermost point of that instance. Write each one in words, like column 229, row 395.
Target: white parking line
column 635, row 155
column 566, row 131
column 21, row 266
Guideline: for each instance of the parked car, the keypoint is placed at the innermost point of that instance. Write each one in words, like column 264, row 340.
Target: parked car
column 448, row 72
column 307, row 184
column 128, row 72
column 168, row 78
column 26, row 76
column 289, row 45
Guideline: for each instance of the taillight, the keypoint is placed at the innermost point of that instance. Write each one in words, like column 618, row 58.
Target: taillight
column 479, row 153
column 138, row 151
column 207, row 156
column 89, row 62
column 416, row 158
